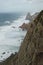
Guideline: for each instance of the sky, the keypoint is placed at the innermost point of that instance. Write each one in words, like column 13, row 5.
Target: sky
column 21, row 5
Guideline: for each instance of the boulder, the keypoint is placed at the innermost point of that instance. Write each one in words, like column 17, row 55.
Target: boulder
column 3, row 53
column 24, row 26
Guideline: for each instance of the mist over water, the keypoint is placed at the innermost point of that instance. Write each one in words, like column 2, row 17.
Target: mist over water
column 11, row 35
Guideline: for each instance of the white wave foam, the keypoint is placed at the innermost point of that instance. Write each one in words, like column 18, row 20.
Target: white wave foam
column 12, row 36
column 20, row 21
column 7, row 22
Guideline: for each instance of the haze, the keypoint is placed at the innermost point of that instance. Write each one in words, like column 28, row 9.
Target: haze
column 21, row 5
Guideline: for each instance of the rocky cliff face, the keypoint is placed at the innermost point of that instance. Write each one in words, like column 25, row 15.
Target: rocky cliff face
column 31, row 50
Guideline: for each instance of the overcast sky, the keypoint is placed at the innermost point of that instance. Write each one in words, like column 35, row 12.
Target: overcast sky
column 20, row 5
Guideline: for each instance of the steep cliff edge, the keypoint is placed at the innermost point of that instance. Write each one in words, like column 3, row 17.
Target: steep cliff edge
column 31, row 49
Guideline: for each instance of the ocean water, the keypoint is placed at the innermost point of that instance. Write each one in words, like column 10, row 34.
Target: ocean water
column 11, row 35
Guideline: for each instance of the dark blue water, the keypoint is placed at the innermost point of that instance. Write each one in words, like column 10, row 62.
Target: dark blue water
column 8, row 17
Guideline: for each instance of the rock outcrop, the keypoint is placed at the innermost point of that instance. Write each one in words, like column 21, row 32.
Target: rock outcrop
column 31, row 49
column 24, row 26
column 29, row 17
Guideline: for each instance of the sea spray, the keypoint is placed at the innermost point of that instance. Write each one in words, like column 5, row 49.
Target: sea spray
column 11, row 37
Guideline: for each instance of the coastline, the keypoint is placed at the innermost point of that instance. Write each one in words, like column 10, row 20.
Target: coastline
column 10, row 60
column 31, row 48
column 11, row 37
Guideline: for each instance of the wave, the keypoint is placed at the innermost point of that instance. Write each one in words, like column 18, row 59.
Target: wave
column 10, row 35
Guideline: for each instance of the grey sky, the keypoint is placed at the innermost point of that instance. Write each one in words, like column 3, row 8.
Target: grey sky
column 20, row 5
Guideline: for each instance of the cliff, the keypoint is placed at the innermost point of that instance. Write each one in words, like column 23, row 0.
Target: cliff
column 29, row 17
column 31, row 49
column 24, row 26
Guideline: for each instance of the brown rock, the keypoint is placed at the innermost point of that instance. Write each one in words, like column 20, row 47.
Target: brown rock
column 24, row 26
column 31, row 50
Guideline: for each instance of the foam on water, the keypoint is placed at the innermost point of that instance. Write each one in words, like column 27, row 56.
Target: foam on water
column 11, row 35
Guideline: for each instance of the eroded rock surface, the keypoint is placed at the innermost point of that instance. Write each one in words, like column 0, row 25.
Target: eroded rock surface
column 31, row 50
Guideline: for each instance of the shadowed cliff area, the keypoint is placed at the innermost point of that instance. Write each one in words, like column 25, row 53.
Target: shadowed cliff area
column 31, row 49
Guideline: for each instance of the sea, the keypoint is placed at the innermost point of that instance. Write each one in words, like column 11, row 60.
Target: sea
column 11, row 36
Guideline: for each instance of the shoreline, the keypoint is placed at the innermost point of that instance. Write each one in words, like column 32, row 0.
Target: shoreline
column 12, row 58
